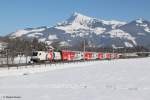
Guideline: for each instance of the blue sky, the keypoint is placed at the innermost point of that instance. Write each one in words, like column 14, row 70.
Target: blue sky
column 20, row 14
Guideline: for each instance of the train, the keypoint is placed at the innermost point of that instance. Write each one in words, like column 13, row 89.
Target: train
column 69, row 55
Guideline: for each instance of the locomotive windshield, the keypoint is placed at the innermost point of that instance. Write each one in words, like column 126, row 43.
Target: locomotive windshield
column 34, row 53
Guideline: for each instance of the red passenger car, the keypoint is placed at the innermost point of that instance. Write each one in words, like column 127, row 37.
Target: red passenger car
column 68, row 55
column 88, row 55
column 100, row 56
column 108, row 56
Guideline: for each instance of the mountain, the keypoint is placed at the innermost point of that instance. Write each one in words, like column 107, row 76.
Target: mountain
column 140, row 30
column 96, row 32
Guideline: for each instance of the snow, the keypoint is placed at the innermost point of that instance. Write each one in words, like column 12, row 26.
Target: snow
column 99, row 30
column 52, row 37
column 82, row 19
column 126, row 79
column 118, row 33
column 71, row 28
column 127, row 44
column 113, row 22
column 121, row 34
column 141, row 34
column 20, row 33
column 147, row 29
column 79, row 18
column 74, row 23
column 140, row 20
column 75, row 27
column 64, row 43
column 42, row 39
column 49, row 42
column 35, row 35
column 144, row 25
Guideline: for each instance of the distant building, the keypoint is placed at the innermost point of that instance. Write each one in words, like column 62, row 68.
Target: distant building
column 3, row 45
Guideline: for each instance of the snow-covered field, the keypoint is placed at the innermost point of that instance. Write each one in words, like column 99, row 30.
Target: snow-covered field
column 126, row 79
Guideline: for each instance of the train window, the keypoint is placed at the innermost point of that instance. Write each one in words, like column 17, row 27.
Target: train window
column 34, row 54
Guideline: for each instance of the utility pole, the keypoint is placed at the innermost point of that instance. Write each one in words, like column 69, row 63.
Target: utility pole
column 84, row 49
column 7, row 58
column 84, row 46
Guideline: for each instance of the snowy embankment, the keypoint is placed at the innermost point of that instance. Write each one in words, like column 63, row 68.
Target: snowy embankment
column 31, row 69
column 126, row 79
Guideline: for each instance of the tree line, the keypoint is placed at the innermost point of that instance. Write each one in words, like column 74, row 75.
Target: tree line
column 26, row 46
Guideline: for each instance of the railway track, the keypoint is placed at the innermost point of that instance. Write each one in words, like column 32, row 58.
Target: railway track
column 42, row 63
column 53, row 62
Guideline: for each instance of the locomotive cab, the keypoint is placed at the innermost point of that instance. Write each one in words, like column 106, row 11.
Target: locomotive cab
column 38, row 56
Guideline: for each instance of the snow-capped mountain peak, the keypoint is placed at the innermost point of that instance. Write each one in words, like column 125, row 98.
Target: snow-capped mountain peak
column 78, row 14
column 79, row 18
column 83, row 19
